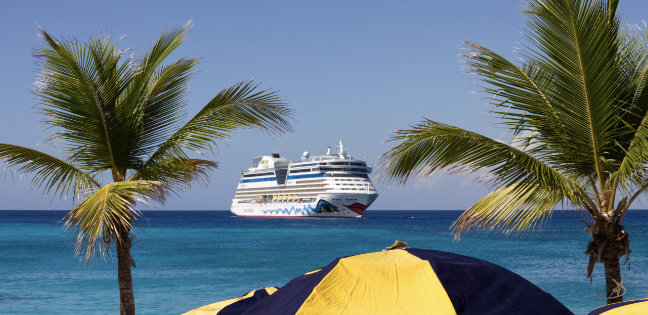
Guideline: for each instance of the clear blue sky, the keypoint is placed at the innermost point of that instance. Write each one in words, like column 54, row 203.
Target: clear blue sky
column 353, row 70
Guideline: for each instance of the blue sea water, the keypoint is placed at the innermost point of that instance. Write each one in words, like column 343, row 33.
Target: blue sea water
column 186, row 259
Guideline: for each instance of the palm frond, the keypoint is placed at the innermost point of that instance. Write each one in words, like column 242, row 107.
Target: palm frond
column 50, row 173
column 241, row 106
column 568, row 89
column 166, row 43
column 520, row 94
column 523, row 96
column 631, row 172
column 516, row 207
column 78, row 89
column 161, row 111
column 154, row 101
column 576, row 43
column 97, row 220
column 430, row 146
column 176, row 174
column 633, row 152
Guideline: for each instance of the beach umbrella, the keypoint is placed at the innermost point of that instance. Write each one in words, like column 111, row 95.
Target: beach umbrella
column 623, row 308
column 405, row 280
column 234, row 306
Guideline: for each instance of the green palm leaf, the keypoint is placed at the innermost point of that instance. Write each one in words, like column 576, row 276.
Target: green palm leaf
column 177, row 174
column 241, row 106
column 524, row 180
column 633, row 152
column 162, row 108
column 517, row 207
column 99, row 218
column 79, row 88
column 49, row 173
column 430, row 146
column 520, row 93
column 574, row 41
column 156, row 94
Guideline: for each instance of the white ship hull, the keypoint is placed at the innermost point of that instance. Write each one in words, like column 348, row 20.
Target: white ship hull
column 326, row 205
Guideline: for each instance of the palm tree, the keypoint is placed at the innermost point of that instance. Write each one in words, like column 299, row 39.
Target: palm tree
column 576, row 108
column 118, row 114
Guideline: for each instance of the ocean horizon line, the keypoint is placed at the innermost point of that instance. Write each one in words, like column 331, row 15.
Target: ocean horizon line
column 221, row 210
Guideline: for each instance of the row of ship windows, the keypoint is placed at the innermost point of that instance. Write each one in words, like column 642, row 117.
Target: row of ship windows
column 294, row 192
column 252, row 192
column 301, row 196
column 307, row 181
column 288, row 188
column 302, row 165
column 257, row 175
column 302, row 187
column 344, row 163
column 342, row 169
column 311, row 170
column 299, row 188
column 314, row 175
column 349, row 180
column 282, row 177
column 320, row 184
column 300, row 171
column 295, row 177
column 348, row 175
column 300, row 200
column 330, row 163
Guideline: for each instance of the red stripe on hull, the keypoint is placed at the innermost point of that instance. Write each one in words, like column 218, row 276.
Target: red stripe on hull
column 357, row 208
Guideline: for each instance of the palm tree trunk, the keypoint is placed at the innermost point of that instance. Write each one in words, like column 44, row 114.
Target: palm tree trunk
column 126, row 297
column 609, row 243
column 612, row 273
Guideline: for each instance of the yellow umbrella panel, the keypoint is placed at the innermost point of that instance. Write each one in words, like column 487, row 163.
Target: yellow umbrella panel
column 234, row 306
column 634, row 307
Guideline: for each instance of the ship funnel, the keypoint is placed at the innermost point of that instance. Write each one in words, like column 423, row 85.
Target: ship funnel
column 328, row 152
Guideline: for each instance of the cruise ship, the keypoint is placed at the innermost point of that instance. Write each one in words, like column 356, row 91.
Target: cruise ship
column 331, row 185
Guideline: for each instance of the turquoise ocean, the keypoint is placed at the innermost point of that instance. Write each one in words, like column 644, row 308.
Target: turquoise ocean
column 185, row 259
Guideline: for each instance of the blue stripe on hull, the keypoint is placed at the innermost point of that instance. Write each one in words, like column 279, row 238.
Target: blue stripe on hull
column 322, row 206
column 305, row 210
column 306, row 176
column 266, row 179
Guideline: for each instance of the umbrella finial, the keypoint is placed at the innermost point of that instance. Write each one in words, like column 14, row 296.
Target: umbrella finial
column 397, row 244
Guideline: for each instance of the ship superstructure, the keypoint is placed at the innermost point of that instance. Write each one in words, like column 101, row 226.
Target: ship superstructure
column 330, row 185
